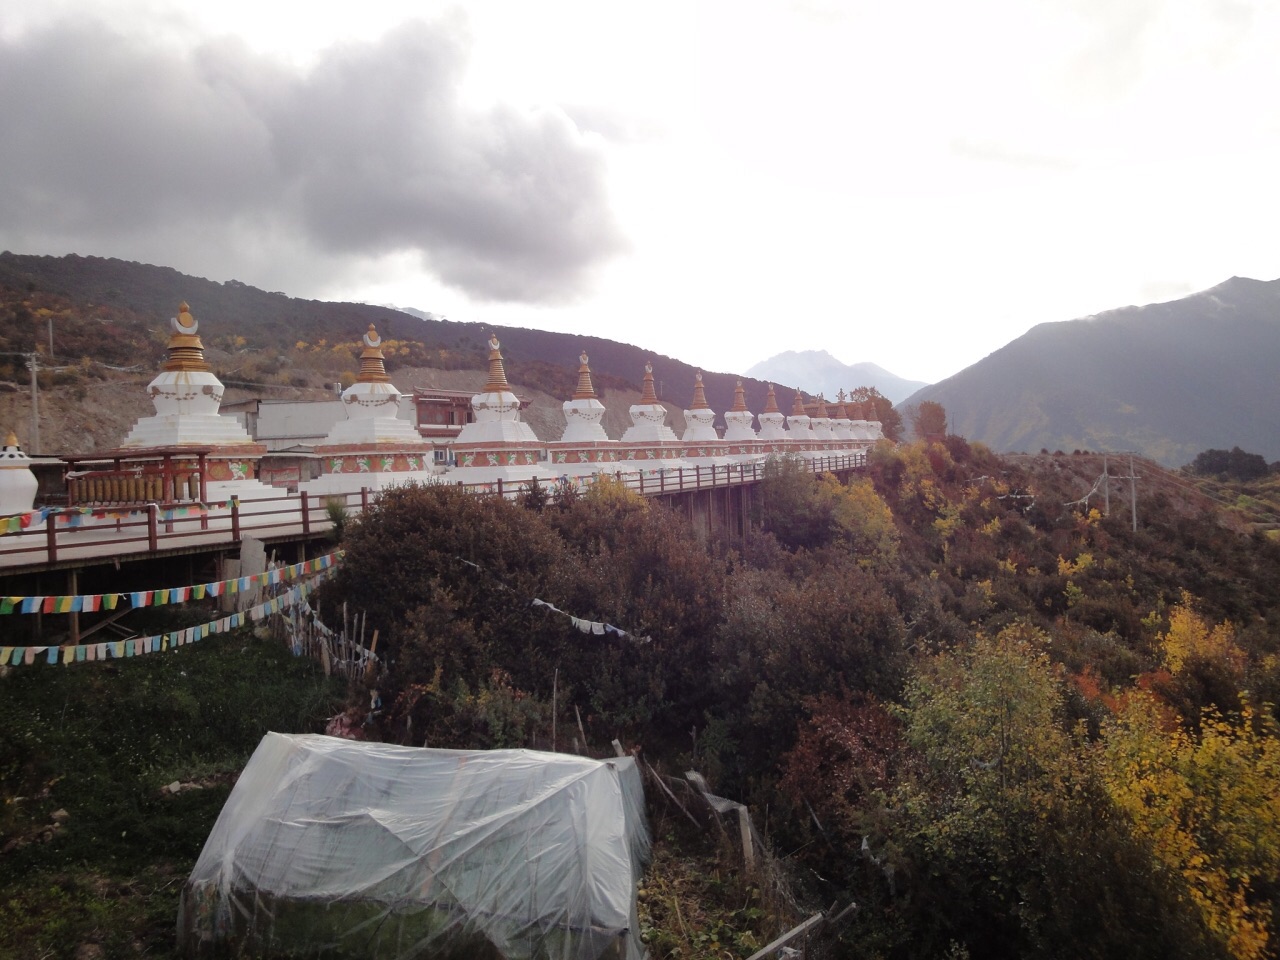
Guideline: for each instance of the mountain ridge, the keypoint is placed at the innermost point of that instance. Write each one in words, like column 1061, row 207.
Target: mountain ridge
column 274, row 320
column 1167, row 379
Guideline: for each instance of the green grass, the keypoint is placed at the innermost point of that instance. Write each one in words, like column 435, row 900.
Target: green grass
column 100, row 741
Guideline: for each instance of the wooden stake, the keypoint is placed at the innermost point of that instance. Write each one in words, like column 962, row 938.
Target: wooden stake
column 787, row 937
column 748, row 849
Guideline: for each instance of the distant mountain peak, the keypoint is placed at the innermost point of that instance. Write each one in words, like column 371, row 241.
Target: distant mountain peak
column 817, row 371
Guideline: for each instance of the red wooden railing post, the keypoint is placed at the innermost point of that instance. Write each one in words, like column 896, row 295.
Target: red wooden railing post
column 364, row 499
column 153, row 536
column 235, row 519
column 304, row 499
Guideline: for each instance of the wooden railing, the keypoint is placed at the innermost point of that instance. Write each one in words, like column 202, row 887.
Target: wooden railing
column 121, row 528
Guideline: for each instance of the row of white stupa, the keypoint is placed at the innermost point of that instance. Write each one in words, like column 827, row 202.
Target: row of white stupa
column 373, row 448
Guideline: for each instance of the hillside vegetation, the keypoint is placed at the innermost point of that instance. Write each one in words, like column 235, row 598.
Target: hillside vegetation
column 952, row 690
column 1002, row 722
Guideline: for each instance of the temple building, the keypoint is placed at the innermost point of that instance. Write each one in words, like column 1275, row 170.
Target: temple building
column 373, row 447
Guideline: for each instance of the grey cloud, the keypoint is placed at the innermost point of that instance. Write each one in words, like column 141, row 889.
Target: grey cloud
column 108, row 138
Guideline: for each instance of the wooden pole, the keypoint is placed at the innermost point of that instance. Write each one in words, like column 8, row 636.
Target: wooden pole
column 74, row 590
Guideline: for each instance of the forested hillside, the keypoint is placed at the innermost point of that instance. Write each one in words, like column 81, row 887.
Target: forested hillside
column 958, row 693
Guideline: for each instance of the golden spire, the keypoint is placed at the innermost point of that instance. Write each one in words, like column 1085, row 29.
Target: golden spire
column 870, row 407
column 372, row 369
column 841, row 413
column 647, row 394
column 822, row 408
column 585, row 391
column 739, row 397
column 699, row 395
column 497, row 382
column 186, row 352
column 12, row 440
column 771, row 402
column 797, row 406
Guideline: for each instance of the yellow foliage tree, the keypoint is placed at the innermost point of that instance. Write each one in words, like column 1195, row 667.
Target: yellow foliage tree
column 863, row 520
column 1191, row 636
column 1208, row 805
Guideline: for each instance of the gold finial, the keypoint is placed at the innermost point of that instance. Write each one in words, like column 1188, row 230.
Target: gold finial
column 739, row 398
column 585, row 391
column 771, row 402
column 870, row 407
column 797, row 406
column 186, row 352
column 497, row 382
column 11, row 440
column 647, row 394
column 699, row 394
column 822, row 408
column 373, row 369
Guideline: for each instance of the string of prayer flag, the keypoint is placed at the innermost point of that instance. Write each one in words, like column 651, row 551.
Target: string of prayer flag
column 139, row 646
column 88, row 603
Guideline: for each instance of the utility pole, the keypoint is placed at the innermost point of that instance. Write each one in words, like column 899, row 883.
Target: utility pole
column 1106, row 487
column 33, row 366
column 1133, row 493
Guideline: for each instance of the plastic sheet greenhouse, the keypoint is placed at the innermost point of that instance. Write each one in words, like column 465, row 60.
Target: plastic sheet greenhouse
column 335, row 848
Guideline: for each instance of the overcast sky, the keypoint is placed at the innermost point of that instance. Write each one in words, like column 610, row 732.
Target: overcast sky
column 912, row 184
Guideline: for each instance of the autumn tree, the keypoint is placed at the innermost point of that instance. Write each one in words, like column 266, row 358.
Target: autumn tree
column 890, row 419
column 928, row 420
column 1209, row 806
column 1002, row 834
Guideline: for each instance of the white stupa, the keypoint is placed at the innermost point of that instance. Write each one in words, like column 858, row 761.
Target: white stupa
column 737, row 421
column 772, row 421
column 859, row 427
column 699, row 419
column 17, row 483
column 584, row 448
column 820, row 422
column 648, row 417
column 583, row 413
column 187, row 429
column 841, row 425
column 373, row 448
column 187, row 397
column 875, row 430
column 798, row 423
column 498, row 445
